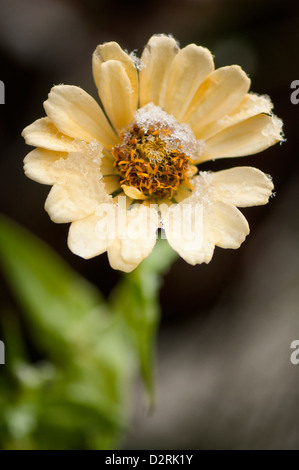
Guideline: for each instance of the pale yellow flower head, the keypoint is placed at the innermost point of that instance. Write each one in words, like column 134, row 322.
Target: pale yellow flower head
column 121, row 174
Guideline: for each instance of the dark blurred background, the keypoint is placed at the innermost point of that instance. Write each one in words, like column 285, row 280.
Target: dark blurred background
column 224, row 376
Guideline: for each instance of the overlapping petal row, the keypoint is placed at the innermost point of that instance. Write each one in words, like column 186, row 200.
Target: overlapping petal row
column 74, row 145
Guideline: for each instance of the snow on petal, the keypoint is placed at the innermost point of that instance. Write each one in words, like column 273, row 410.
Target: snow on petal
column 43, row 133
column 79, row 188
column 251, row 105
column 245, row 138
column 219, row 94
column 39, row 165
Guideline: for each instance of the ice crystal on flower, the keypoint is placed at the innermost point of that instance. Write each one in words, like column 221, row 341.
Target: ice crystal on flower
column 180, row 135
column 137, row 61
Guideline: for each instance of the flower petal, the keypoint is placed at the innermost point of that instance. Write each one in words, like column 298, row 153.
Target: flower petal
column 202, row 220
column 39, row 165
column 228, row 225
column 63, row 205
column 245, row 138
column 192, row 170
column 115, row 259
column 83, row 239
column 43, row 133
column 155, row 60
column 133, row 193
column 79, row 188
column 187, row 230
column 242, row 186
column 112, row 51
column 251, row 105
column 188, row 69
column 115, row 91
column 76, row 114
column 218, row 95
column 135, row 238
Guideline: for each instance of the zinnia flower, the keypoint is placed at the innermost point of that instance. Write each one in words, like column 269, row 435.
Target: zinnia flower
column 164, row 114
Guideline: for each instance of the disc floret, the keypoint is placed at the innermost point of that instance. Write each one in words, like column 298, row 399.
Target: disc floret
column 146, row 160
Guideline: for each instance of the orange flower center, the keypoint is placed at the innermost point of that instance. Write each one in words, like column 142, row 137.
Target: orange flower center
column 146, row 161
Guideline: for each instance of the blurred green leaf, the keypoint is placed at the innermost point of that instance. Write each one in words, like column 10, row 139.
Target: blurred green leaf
column 136, row 300
column 79, row 396
column 15, row 350
column 54, row 296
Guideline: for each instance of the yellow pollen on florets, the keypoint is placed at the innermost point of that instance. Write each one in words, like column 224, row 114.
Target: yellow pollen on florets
column 145, row 161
